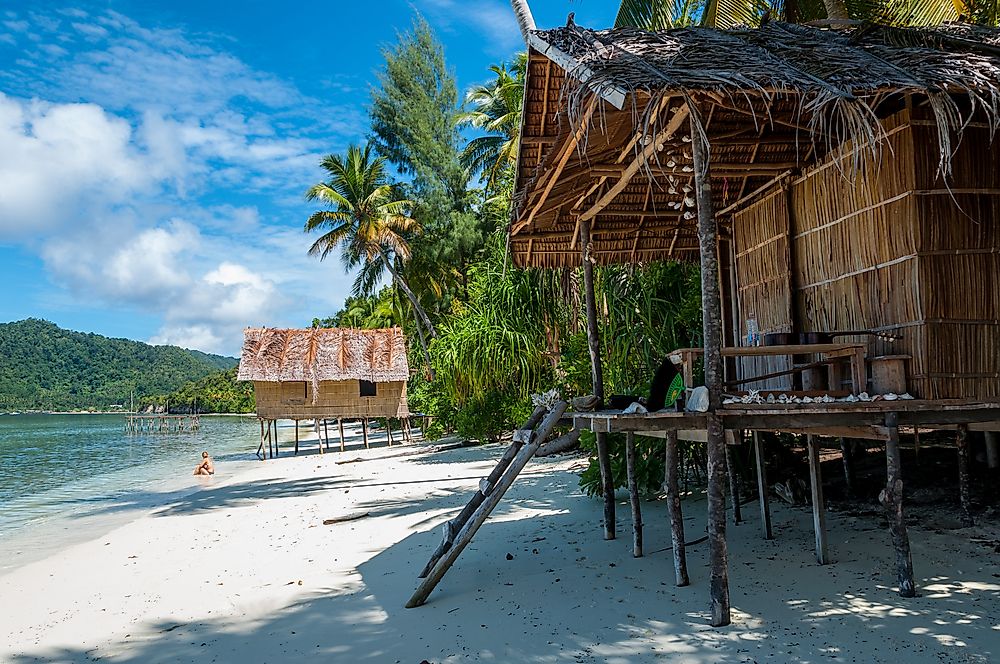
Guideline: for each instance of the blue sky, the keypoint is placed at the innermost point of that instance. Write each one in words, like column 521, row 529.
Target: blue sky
column 153, row 156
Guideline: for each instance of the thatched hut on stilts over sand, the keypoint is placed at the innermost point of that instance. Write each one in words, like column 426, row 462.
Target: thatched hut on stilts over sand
column 323, row 374
column 827, row 181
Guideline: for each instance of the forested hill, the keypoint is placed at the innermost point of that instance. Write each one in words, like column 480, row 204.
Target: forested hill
column 43, row 366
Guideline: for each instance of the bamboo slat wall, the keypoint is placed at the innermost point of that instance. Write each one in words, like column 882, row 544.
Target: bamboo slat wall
column 895, row 251
column 294, row 400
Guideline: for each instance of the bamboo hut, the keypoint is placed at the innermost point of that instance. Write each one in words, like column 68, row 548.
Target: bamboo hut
column 323, row 374
column 827, row 181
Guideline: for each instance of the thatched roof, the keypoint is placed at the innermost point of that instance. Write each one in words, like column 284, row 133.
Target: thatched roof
column 771, row 101
column 318, row 354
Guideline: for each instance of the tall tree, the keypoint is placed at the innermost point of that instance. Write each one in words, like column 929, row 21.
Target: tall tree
column 496, row 109
column 369, row 222
column 413, row 116
column 525, row 21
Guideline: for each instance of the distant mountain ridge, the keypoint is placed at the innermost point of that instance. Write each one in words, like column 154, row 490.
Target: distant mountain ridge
column 43, row 366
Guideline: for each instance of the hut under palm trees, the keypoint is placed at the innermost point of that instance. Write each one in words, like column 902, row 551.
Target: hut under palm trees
column 325, row 373
column 826, row 181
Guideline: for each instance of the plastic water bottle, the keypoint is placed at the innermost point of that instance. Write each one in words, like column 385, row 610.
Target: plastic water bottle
column 753, row 334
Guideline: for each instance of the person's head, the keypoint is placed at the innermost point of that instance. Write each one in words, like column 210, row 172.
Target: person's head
column 204, row 455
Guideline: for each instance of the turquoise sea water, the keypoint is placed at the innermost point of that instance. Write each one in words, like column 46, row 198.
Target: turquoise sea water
column 61, row 475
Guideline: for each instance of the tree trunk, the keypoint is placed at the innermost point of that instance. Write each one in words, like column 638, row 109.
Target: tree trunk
column 711, row 305
column 835, row 8
column 892, row 499
column 409, row 294
column 423, row 345
column 525, row 21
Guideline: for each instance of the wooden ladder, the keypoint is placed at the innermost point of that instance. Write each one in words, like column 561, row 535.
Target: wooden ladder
column 458, row 532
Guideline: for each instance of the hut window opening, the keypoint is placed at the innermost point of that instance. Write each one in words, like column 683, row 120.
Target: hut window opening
column 367, row 388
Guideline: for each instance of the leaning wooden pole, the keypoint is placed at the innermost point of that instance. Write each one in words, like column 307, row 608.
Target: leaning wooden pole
column 451, row 527
column 597, row 377
column 892, row 499
column 479, row 517
column 711, row 306
column 676, row 517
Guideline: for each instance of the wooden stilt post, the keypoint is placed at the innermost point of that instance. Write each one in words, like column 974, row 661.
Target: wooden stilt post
column 260, row 448
column 847, row 458
column 818, row 507
column 465, row 536
column 892, row 499
column 364, row 431
column 762, row 495
column 388, row 431
column 320, row 433
column 964, row 485
column 296, row 436
column 326, row 434
column 734, row 486
column 676, row 517
column 277, row 452
column 711, row 304
column 340, row 426
column 633, row 495
column 597, row 378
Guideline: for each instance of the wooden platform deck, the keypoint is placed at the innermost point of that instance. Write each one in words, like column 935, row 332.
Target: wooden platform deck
column 865, row 419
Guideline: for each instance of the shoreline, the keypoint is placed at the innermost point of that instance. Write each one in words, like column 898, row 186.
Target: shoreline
column 246, row 570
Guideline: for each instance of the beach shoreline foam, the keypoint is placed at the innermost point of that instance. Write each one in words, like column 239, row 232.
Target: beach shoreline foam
column 245, row 571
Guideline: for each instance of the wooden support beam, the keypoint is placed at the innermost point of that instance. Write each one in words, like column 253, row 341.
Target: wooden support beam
column 674, row 505
column 675, row 123
column 892, row 500
column 964, row 485
column 762, row 488
column 633, row 495
column 818, row 507
column 465, row 536
column 708, row 241
column 597, row 379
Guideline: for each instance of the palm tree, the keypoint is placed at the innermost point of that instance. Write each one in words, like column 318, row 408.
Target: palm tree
column 370, row 223
column 525, row 21
column 663, row 14
column 496, row 110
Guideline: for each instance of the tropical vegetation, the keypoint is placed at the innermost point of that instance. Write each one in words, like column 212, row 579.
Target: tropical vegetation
column 46, row 367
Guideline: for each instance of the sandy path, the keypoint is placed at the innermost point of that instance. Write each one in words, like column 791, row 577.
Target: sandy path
column 244, row 571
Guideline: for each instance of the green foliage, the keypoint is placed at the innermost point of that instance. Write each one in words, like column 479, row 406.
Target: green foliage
column 43, row 366
column 218, row 392
column 366, row 312
column 650, row 464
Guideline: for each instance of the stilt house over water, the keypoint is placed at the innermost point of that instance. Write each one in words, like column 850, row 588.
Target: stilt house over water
column 325, row 373
column 828, row 181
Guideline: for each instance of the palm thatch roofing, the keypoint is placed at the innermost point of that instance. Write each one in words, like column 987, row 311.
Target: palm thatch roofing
column 607, row 125
column 323, row 354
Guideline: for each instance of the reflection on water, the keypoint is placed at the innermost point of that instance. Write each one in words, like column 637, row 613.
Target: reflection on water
column 61, row 465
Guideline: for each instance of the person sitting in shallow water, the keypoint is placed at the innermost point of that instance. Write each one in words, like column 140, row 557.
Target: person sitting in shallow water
column 206, row 467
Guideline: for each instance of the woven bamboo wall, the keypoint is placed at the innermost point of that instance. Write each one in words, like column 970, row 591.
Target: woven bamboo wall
column 760, row 241
column 294, row 400
column 958, row 243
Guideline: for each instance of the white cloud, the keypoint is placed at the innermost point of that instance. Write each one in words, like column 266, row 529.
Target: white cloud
column 494, row 19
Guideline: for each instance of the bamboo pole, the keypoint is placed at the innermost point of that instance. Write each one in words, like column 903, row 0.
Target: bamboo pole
column 734, row 488
column 762, row 494
column 320, row 434
column 892, row 499
column 340, row 426
column 388, row 432
column 465, row 536
column 364, row 431
column 708, row 243
column 676, row 516
column 818, row 507
column 597, row 377
column 633, row 495
column 964, row 485
column 296, row 436
column 277, row 451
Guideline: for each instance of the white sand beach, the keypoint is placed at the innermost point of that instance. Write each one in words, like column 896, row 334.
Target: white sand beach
column 245, row 571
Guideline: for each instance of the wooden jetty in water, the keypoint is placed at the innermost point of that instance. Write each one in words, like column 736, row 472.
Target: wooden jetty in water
column 136, row 423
